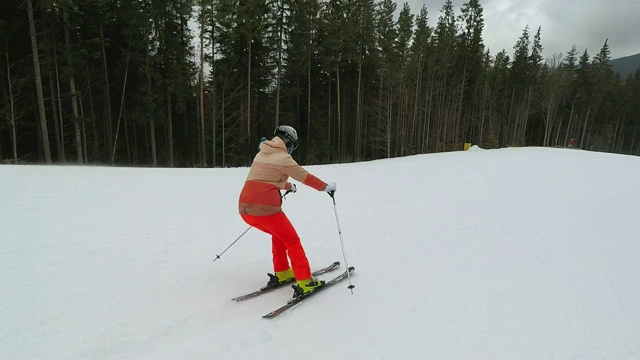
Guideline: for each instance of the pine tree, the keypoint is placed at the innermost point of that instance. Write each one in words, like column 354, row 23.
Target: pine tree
column 471, row 56
column 583, row 97
column 632, row 114
column 421, row 71
column 38, row 81
column 118, row 82
column 386, row 34
column 448, row 88
column 402, row 49
column 366, row 69
column 301, row 67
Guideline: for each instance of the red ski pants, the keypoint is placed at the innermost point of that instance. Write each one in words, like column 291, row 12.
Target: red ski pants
column 284, row 242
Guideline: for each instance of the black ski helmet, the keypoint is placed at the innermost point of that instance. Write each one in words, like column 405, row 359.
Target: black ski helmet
column 289, row 135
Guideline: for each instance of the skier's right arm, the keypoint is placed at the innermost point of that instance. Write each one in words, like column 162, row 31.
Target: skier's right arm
column 291, row 168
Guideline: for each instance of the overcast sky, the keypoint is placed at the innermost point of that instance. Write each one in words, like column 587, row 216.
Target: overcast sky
column 585, row 23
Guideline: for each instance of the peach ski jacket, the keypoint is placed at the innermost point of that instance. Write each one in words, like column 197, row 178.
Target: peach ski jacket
column 269, row 173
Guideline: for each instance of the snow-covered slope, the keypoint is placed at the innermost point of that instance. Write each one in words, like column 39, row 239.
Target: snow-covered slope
column 520, row 253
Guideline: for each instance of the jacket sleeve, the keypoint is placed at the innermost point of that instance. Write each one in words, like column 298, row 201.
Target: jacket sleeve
column 291, row 168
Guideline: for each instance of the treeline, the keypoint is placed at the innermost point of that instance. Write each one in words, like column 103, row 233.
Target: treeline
column 198, row 82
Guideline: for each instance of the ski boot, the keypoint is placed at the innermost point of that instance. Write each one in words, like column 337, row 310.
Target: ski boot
column 304, row 287
column 280, row 277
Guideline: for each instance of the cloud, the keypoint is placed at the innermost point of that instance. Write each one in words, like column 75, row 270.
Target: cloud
column 585, row 23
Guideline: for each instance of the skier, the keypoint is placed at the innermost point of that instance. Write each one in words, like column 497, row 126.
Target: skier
column 260, row 206
column 571, row 143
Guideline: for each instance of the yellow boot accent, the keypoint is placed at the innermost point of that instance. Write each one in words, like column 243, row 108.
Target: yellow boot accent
column 305, row 286
column 285, row 275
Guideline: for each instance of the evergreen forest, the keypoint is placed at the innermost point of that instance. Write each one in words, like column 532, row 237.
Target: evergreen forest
column 197, row 83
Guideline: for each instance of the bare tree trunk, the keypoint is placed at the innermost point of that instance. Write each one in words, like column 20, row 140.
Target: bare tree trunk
column 389, row 125
column 124, row 89
column 445, row 112
column 427, row 118
column 12, row 114
column 525, row 116
column 621, row 143
column 400, row 117
column 415, row 123
column 359, row 109
column 108, row 125
column 380, row 116
column 510, row 120
column 135, row 144
column 249, row 94
column 445, row 118
column 127, row 139
column 584, row 128
column 72, row 88
column 428, row 111
column 203, row 147
column 170, row 127
column 224, row 151
column 566, row 136
column 154, row 152
column 547, row 122
column 63, row 153
column 152, row 121
column 309, row 96
column 438, row 113
column 621, row 136
column 558, row 132
column 54, row 113
column 96, row 148
column 407, row 133
column 615, row 135
column 339, row 114
column 279, row 64
column 36, row 69
column 485, row 95
column 76, row 120
column 214, row 134
column 84, row 132
column 329, row 117
column 459, row 109
column 214, row 98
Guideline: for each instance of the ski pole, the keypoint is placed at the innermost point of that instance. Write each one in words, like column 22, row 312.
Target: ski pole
column 344, row 254
column 241, row 235
column 236, row 240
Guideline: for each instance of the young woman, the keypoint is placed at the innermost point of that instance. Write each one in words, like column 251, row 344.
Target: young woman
column 260, row 206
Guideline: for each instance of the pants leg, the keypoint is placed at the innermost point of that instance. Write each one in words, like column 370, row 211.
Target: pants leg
column 279, row 252
column 285, row 241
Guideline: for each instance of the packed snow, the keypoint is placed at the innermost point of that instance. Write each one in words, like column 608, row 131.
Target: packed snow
column 517, row 253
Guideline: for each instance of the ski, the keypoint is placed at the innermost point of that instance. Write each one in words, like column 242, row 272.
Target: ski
column 267, row 289
column 295, row 301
